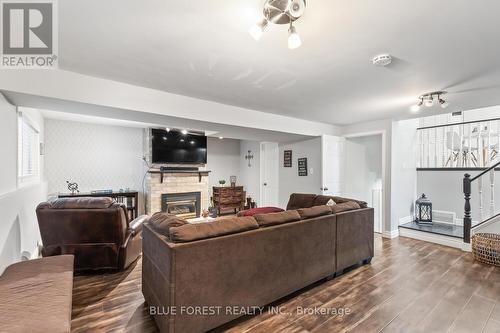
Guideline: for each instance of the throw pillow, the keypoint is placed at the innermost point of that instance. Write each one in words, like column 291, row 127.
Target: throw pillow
column 259, row 210
column 330, row 203
column 315, row 211
column 162, row 222
column 198, row 231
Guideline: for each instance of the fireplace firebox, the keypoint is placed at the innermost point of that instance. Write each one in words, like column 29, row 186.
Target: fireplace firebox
column 185, row 205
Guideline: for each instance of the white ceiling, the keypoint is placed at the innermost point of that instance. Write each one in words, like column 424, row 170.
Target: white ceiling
column 202, row 49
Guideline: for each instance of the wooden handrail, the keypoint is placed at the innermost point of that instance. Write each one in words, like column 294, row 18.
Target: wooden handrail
column 460, row 123
column 487, row 220
column 485, row 171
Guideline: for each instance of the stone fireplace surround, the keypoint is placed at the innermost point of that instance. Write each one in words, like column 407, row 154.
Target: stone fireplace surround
column 175, row 183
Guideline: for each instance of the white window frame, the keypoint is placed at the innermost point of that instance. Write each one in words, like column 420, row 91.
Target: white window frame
column 23, row 178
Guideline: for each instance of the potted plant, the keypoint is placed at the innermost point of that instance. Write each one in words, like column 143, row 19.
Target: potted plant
column 222, row 182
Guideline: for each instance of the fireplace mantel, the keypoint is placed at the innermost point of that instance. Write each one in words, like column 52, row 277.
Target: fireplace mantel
column 200, row 173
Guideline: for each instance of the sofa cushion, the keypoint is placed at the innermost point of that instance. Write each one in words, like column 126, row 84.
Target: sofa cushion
column 79, row 203
column 162, row 222
column 362, row 204
column 300, row 200
column 259, row 210
column 226, row 226
column 307, row 213
column 345, row 206
column 36, row 295
column 323, row 199
column 269, row 219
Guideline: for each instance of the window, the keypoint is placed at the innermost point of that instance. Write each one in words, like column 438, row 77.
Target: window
column 28, row 148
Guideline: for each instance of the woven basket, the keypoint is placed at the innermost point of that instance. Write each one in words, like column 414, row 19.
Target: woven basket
column 486, row 248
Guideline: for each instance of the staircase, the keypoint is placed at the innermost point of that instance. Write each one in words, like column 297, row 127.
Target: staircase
column 480, row 190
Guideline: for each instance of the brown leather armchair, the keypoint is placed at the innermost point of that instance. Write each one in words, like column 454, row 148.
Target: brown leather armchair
column 96, row 231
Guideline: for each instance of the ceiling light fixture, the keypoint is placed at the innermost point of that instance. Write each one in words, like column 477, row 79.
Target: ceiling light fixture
column 428, row 100
column 281, row 12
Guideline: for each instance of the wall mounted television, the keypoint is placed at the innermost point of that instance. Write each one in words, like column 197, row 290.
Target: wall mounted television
column 177, row 148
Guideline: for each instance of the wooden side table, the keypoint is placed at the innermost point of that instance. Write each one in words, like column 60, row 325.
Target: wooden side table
column 225, row 198
column 130, row 199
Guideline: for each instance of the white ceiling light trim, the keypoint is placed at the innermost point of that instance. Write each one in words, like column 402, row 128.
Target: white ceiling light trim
column 281, row 12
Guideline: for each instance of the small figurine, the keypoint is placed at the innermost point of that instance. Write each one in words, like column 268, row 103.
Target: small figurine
column 73, row 187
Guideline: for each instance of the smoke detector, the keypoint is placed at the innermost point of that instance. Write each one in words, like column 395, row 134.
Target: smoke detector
column 382, row 60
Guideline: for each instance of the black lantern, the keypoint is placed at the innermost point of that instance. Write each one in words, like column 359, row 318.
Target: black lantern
column 423, row 210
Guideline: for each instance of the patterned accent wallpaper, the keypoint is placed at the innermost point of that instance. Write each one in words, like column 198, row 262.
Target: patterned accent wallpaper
column 95, row 156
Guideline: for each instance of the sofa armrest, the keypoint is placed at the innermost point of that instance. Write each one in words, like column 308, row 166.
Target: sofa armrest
column 136, row 225
column 134, row 228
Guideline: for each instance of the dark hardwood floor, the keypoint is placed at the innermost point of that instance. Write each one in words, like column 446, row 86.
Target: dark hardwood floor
column 410, row 286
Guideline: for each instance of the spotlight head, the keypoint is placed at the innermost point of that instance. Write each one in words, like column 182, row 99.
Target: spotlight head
column 444, row 104
column 184, row 132
column 293, row 38
column 257, row 30
column 415, row 108
column 429, row 101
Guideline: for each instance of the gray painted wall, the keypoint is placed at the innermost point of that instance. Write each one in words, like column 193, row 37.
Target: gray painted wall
column 250, row 176
column 223, row 160
column 95, row 156
column 444, row 188
column 289, row 179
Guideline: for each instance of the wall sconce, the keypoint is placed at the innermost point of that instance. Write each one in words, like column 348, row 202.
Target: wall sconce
column 249, row 157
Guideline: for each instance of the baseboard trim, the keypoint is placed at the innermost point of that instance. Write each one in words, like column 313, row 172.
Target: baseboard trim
column 406, row 219
column 434, row 238
column 391, row 234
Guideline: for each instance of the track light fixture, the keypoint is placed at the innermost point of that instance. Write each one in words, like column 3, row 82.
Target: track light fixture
column 281, row 12
column 428, row 101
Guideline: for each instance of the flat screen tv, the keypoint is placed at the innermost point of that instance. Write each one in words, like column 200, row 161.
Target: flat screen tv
column 177, row 148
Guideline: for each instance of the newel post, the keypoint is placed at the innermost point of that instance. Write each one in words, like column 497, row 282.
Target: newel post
column 467, row 216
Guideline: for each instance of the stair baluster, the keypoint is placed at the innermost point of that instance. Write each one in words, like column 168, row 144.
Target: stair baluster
column 492, row 192
column 480, row 188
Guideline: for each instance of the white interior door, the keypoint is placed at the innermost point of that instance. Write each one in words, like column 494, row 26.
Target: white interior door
column 332, row 151
column 269, row 174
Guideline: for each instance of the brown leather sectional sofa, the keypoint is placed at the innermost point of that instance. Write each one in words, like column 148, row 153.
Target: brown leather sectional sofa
column 195, row 277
